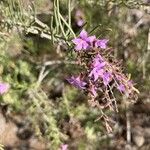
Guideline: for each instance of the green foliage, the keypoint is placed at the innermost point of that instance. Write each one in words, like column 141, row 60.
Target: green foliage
column 43, row 115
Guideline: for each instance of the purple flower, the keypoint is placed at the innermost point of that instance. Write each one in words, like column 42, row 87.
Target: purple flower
column 77, row 82
column 64, row 147
column 4, row 87
column 96, row 72
column 101, row 43
column 78, row 13
column 98, row 62
column 97, row 67
column 106, row 78
column 83, row 35
column 80, row 22
column 91, row 40
column 79, row 16
column 84, row 41
column 81, row 42
column 121, row 88
column 130, row 83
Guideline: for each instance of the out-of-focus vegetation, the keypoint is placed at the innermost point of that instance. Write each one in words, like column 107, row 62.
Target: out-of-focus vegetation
column 36, row 57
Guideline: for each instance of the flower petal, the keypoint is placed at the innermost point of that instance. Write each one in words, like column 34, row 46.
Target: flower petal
column 83, row 34
column 101, row 43
column 85, row 45
column 121, row 88
column 76, row 40
column 91, row 39
column 80, row 22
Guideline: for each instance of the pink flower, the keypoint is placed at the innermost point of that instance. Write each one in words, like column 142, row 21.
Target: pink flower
column 77, row 82
column 79, row 16
column 4, row 87
column 83, row 34
column 98, row 63
column 80, row 22
column 83, row 42
column 101, row 43
column 106, row 78
column 97, row 67
column 91, row 40
column 96, row 72
column 78, row 13
column 64, row 147
column 121, row 88
column 80, row 44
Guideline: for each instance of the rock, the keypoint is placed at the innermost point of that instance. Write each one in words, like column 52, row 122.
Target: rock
column 138, row 140
column 147, row 132
column 36, row 144
column 2, row 124
column 138, row 136
column 7, row 132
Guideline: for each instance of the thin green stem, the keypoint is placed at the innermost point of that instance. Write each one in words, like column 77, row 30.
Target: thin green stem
column 56, row 17
column 69, row 13
column 59, row 20
column 69, row 16
column 65, row 22
column 52, row 29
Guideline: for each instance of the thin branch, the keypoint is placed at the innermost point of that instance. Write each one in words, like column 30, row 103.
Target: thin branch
column 57, row 62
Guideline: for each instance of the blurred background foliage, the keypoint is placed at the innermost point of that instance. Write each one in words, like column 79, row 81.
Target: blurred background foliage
column 36, row 58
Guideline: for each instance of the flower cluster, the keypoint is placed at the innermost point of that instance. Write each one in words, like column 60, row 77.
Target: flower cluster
column 86, row 42
column 102, row 74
